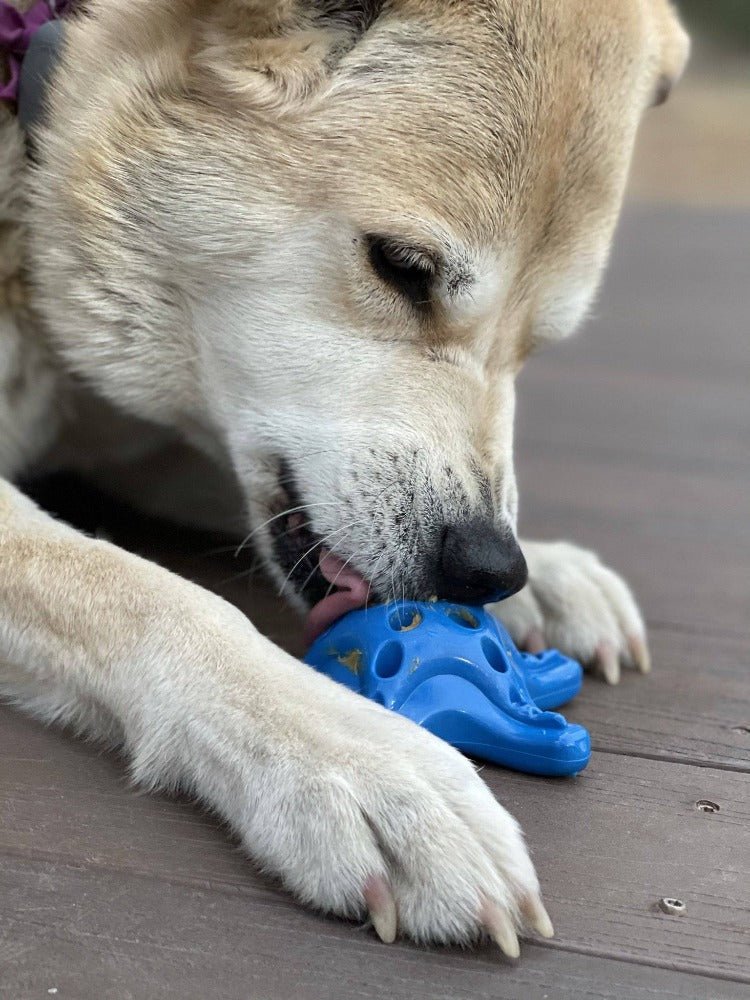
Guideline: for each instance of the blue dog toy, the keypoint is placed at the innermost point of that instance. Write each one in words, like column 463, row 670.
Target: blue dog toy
column 455, row 671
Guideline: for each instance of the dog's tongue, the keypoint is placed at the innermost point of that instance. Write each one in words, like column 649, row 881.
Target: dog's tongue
column 351, row 594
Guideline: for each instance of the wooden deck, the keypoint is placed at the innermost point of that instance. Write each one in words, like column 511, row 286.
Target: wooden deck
column 635, row 440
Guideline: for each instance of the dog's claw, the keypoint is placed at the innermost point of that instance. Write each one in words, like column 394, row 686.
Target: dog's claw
column 640, row 654
column 608, row 662
column 501, row 929
column 537, row 917
column 382, row 908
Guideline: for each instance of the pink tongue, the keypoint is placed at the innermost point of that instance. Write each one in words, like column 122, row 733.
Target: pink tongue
column 352, row 594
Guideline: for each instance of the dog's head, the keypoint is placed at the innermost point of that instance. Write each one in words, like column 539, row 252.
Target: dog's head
column 325, row 234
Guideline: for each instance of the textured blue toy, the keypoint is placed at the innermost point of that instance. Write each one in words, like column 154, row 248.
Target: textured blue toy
column 455, row 671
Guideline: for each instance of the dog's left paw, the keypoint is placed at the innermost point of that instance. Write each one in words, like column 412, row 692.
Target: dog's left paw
column 576, row 604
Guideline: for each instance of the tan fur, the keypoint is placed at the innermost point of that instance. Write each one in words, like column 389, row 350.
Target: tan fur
column 190, row 267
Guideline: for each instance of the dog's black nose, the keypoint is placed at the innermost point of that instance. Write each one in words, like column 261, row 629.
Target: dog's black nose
column 479, row 564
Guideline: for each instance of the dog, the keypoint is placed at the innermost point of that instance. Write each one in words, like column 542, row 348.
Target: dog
column 300, row 250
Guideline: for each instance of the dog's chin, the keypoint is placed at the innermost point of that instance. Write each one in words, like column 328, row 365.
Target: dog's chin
column 327, row 586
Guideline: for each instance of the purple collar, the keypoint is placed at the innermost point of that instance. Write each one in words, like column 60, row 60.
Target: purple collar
column 16, row 32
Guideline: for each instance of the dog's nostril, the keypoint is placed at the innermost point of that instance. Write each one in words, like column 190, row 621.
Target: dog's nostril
column 479, row 564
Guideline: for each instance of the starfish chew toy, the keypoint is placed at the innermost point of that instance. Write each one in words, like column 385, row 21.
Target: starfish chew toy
column 455, row 671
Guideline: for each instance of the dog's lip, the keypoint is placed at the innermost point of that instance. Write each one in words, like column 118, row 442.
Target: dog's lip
column 329, row 584
column 349, row 592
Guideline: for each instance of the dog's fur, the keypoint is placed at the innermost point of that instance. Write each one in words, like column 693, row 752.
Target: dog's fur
column 191, row 267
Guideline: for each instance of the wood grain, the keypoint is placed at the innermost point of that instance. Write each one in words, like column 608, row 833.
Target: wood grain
column 124, row 937
column 609, row 844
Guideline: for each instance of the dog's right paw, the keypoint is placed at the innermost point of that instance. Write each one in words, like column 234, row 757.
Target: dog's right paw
column 371, row 814
column 576, row 604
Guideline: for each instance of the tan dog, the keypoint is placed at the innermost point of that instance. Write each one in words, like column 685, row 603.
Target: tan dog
column 314, row 241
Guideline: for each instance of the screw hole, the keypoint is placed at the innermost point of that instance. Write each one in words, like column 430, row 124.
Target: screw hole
column 673, row 907
column 707, row 806
column 389, row 659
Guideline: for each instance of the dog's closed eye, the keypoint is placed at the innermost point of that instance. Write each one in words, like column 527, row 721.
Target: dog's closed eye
column 408, row 270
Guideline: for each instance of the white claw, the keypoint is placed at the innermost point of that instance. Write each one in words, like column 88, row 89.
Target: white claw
column 640, row 653
column 501, row 929
column 537, row 917
column 382, row 907
column 608, row 662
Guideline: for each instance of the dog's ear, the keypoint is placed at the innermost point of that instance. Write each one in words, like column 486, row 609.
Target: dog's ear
column 277, row 53
column 674, row 49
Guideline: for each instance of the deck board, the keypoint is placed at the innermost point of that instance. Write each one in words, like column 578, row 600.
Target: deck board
column 119, row 936
column 611, row 843
column 633, row 440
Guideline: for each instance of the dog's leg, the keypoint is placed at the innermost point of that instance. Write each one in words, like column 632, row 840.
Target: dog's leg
column 352, row 806
column 576, row 604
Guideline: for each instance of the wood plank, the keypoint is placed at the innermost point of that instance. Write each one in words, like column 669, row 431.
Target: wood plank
column 624, row 835
column 697, row 586
column 608, row 845
column 569, row 402
column 659, row 501
column 123, row 937
column 633, row 437
column 697, row 580
column 694, row 708
column 676, row 298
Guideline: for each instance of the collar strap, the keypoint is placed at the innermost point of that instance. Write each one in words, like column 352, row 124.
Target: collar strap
column 30, row 42
column 38, row 66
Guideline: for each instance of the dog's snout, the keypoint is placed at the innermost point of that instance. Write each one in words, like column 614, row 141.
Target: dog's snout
column 480, row 564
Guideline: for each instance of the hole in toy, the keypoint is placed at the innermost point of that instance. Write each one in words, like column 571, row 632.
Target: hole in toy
column 674, row 907
column 405, row 618
column 707, row 806
column 463, row 617
column 389, row 659
column 494, row 656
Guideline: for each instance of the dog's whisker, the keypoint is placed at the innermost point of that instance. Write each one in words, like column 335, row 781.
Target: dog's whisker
column 393, row 583
column 375, row 570
column 335, row 580
column 301, row 508
column 314, row 570
column 318, row 543
column 254, row 570
column 353, row 524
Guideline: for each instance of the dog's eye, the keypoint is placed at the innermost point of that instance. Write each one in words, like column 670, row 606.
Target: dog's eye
column 409, row 270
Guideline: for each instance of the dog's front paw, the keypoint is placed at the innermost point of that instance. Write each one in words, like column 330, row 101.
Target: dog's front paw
column 577, row 605
column 371, row 814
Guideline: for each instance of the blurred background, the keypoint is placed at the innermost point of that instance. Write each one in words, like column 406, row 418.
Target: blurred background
column 696, row 150
column 727, row 20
